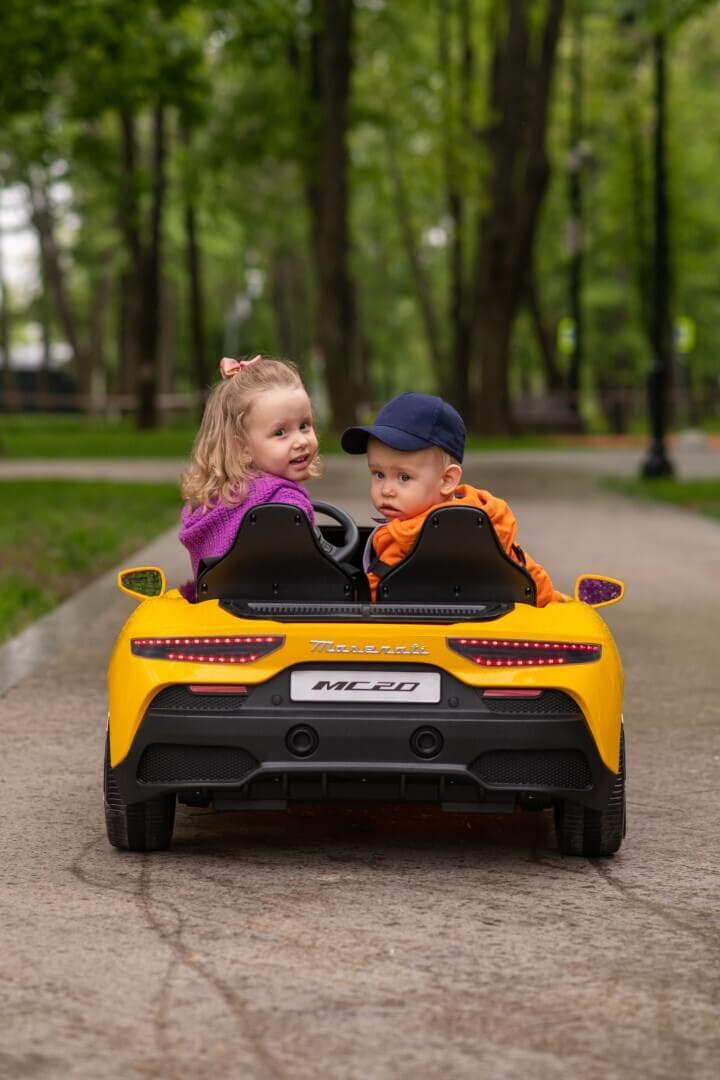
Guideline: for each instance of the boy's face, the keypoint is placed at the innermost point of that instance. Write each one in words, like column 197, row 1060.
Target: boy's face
column 279, row 434
column 404, row 483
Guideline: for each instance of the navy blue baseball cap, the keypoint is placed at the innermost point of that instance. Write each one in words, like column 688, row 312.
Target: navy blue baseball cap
column 411, row 422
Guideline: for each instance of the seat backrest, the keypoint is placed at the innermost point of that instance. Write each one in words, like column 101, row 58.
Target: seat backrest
column 275, row 556
column 457, row 559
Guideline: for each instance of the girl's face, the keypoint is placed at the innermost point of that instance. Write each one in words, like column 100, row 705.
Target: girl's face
column 279, row 434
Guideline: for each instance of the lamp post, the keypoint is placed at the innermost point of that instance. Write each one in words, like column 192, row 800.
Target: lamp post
column 657, row 464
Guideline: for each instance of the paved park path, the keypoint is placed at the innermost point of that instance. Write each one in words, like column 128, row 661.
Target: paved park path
column 378, row 944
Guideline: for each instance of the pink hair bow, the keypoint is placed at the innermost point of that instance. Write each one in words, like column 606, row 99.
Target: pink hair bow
column 230, row 367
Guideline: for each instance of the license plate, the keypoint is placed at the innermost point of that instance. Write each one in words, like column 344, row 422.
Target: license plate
column 382, row 686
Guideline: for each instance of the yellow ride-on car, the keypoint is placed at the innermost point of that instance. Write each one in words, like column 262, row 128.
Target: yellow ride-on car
column 285, row 684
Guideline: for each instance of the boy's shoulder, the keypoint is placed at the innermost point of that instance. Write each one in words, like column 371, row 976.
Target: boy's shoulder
column 468, row 495
column 500, row 514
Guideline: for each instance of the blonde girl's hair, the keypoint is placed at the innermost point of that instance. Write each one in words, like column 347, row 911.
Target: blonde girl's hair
column 216, row 472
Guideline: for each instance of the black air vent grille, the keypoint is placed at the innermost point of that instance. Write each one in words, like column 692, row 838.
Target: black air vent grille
column 182, row 699
column 194, row 765
column 567, row 769
column 548, row 703
column 365, row 613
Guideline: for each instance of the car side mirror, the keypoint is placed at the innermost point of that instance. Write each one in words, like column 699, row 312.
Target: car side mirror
column 142, row 582
column 598, row 591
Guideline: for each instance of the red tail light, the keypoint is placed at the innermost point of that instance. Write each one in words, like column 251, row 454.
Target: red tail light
column 507, row 693
column 222, row 688
column 207, row 650
column 498, row 652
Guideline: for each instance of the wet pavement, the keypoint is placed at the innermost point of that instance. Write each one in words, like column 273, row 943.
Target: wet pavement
column 382, row 943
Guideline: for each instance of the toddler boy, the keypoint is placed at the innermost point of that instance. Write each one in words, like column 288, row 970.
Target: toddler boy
column 415, row 450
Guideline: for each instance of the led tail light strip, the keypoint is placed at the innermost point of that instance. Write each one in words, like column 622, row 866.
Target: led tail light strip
column 207, row 650
column 498, row 652
column 222, row 688
column 510, row 693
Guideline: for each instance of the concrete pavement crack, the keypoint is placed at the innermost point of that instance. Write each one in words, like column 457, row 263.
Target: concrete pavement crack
column 270, row 1069
column 79, row 871
column 604, row 871
column 180, row 955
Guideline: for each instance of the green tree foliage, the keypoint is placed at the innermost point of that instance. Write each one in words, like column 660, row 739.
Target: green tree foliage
column 174, row 149
column 618, row 197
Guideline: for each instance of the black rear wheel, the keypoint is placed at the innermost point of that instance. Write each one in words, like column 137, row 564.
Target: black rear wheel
column 584, row 831
column 145, row 826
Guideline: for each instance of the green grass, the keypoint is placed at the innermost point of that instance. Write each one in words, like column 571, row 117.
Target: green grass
column 701, row 496
column 49, row 435
column 58, row 535
column 57, row 436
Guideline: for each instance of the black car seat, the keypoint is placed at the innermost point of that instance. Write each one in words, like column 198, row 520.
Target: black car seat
column 457, row 559
column 277, row 556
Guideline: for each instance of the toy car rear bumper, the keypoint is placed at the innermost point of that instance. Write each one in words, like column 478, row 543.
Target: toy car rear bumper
column 468, row 752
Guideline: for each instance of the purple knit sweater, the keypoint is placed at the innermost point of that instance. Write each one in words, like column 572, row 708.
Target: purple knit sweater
column 210, row 533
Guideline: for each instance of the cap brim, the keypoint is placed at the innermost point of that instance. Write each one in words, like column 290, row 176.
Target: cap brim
column 355, row 439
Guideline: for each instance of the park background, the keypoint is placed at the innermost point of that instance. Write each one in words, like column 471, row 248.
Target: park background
column 399, row 195
column 511, row 203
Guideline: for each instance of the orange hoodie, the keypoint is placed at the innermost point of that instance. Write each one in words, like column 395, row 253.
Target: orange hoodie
column 396, row 539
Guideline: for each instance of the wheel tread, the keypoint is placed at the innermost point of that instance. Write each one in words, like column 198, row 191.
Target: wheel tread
column 582, row 830
column 145, row 826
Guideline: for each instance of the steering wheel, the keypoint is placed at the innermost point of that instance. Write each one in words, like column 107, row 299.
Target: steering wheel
column 339, row 554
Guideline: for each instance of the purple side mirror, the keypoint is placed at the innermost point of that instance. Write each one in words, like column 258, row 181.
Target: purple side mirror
column 597, row 590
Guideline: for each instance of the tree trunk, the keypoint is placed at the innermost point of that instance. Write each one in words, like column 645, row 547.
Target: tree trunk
column 575, row 206
column 53, row 278
column 331, row 67
column 289, row 300
column 366, row 395
column 196, row 303
column 520, row 83
column 8, row 400
column 102, row 291
column 44, row 400
column 129, row 222
column 142, row 305
column 423, row 288
column 450, row 361
column 497, row 332
column 543, row 334
column 149, row 335
column 196, row 299
column 458, row 378
column 126, row 320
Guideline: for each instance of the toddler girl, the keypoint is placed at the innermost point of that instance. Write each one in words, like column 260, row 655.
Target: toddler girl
column 256, row 444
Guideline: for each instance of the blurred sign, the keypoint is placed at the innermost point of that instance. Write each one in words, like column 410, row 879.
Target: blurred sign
column 566, row 336
column 684, row 334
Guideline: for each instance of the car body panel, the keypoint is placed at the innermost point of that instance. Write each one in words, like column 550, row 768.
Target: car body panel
column 134, row 681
